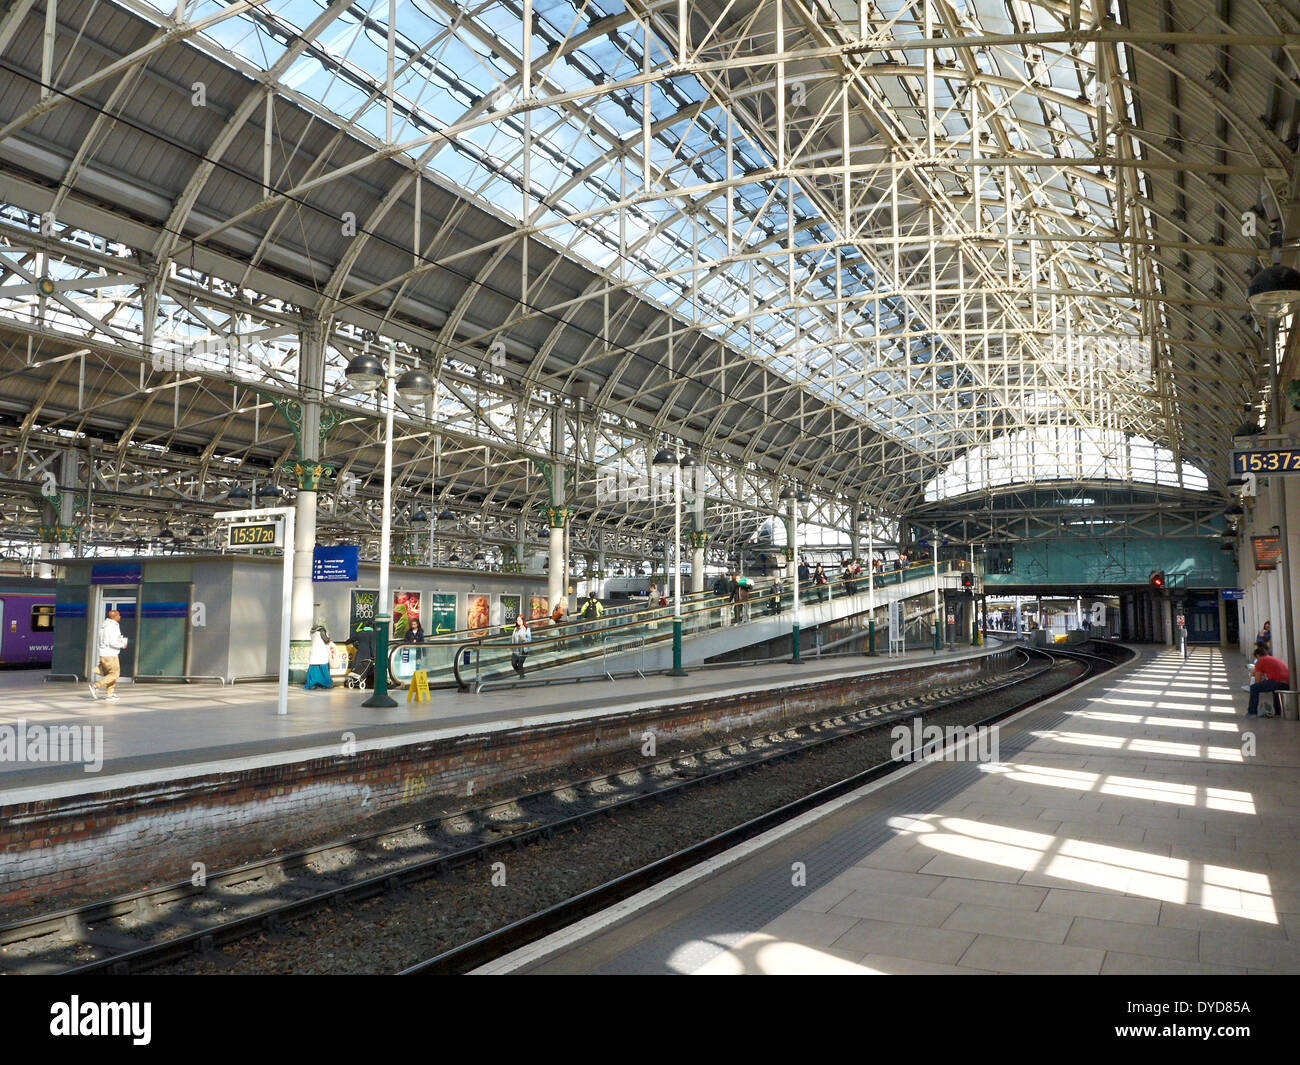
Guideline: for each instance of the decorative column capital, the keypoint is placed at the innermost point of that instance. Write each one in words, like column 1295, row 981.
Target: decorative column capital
column 57, row 533
column 309, row 474
column 699, row 538
column 558, row 517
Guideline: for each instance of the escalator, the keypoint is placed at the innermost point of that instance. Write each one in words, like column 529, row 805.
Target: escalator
column 640, row 642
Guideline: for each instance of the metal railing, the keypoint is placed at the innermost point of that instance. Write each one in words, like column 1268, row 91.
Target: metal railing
column 486, row 659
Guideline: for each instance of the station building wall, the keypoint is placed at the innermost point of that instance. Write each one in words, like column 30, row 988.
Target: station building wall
column 241, row 608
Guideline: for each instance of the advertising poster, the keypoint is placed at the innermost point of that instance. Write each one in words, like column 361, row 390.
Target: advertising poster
column 538, row 607
column 442, row 614
column 508, row 607
column 476, row 613
column 406, row 609
column 362, row 609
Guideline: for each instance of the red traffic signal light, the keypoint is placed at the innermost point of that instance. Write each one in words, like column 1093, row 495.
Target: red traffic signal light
column 1158, row 579
column 968, row 580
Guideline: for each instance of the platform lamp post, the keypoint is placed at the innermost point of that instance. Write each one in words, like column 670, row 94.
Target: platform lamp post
column 794, row 498
column 666, row 457
column 938, row 618
column 871, row 580
column 366, row 373
column 1274, row 293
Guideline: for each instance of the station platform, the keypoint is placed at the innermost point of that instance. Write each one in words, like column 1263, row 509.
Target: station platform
column 1139, row 824
column 161, row 732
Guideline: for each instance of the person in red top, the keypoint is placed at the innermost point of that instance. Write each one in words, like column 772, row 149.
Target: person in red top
column 1270, row 675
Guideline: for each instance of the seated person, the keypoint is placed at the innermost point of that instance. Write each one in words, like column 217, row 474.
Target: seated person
column 1270, row 674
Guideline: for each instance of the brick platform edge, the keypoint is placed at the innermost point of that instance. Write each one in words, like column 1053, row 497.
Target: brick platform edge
column 96, row 845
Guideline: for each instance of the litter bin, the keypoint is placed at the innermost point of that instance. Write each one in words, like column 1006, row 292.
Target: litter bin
column 1290, row 708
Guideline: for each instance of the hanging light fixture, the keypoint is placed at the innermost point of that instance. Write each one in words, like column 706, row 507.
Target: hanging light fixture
column 1249, row 426
column 414, row 385
column 365, row 373
column 1274, row 292
column 237, row 492
column 664, row 457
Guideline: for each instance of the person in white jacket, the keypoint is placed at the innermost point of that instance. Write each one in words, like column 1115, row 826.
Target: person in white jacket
column 111, row 642
column 318, row 664
column 520, row 637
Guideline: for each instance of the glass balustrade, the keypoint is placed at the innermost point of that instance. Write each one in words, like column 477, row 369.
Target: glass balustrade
column 597, row 643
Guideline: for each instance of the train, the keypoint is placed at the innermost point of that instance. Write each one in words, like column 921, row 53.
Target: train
column 26, row 622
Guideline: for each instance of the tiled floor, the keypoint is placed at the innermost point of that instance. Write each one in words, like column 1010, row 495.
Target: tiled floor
column 154, row 726
column 1143, row 834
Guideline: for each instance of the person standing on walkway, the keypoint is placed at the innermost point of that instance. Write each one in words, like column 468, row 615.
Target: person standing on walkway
column 111, row 642
column 520, row 638
column 1265, row 637
column 318, row 663
column 819, row 581
column 1270, row 674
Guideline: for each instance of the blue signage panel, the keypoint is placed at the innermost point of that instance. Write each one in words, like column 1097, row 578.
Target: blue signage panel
column 116, row 573
column 334, row 563
column 1233, row 594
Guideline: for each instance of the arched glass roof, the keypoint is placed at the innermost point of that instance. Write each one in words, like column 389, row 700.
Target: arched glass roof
column 1058, row 453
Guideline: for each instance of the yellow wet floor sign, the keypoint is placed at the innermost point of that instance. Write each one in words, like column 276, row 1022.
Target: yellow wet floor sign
column 419, row 689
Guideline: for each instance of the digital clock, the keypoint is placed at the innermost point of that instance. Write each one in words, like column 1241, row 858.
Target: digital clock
column 254, row 534
column 1275, row 460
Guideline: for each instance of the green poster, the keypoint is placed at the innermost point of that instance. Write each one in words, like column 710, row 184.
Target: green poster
column 509, row 605
column 363, row 609
column 442, row 613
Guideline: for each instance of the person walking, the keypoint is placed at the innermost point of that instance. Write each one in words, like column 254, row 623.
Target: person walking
column 557, row 619
column 819, row 582
column 1270, row 675
column 520, row 638
column 592, row 611
column 318, row 662
column 777, row 594
column 111, row 642
column 740, row 597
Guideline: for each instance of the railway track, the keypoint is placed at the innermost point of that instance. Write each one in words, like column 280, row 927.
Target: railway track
column 469, row 956
column 144, row 929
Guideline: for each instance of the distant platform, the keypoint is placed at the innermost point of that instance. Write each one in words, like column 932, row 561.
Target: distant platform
column 162, row 731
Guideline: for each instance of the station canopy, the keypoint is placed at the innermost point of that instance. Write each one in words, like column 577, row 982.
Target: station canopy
column 876, row 250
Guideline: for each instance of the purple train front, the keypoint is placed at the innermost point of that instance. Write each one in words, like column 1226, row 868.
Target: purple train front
column 26, row 622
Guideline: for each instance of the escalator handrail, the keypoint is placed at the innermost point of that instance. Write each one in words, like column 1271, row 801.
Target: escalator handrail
column 576, row 629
